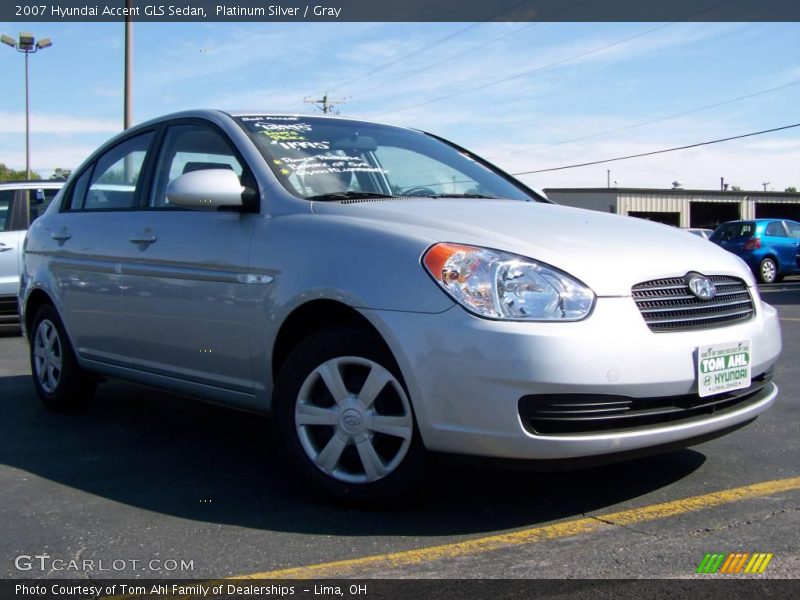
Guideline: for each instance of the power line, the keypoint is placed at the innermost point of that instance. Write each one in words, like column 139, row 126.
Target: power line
column 641, row 154
column 468, row 51
column 648, row 122
column 436, row 64
column 404, row 57
column 426, row 47
column 547, row 66
column 524, row 73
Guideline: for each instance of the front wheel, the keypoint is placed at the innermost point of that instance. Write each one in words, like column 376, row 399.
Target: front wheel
column 768, row 271
column 344, row 419
column 60, row 382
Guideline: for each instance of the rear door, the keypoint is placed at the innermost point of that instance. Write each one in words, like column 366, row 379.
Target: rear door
column 189, row 315
column 86, row 241
column 794, row 232
column 776, row 237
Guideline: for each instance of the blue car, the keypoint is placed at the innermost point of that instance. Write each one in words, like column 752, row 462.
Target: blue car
column 770, row 247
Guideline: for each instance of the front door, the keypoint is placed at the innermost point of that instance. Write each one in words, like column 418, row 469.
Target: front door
column 189, row 310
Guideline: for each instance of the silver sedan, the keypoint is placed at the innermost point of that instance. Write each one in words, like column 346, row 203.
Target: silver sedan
column 383, row 293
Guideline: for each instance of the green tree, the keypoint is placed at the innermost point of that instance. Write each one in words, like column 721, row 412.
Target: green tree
column 791, row 189
column 8, row 174
column 60, row 173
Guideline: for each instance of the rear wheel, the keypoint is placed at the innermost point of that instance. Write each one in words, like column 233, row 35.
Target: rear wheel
column 59, row 380
column 344, row 419
column 768, row 271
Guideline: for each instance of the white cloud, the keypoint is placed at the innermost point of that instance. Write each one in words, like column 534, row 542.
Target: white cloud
column 47, row 157
column 14, row 122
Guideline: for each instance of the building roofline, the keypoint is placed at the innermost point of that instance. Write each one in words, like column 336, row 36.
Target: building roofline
column 676, row 191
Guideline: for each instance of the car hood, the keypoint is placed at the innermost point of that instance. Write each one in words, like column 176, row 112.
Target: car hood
column 607, row 252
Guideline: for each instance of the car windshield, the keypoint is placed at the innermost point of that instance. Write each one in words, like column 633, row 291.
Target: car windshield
column 337, row 159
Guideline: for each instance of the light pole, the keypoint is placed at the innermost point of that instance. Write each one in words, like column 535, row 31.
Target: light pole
column 127, row 118
column 27, row 45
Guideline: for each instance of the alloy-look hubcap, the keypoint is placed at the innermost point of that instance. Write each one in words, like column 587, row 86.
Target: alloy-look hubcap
column 768, row 271
column 47, row 356
column 353, row 419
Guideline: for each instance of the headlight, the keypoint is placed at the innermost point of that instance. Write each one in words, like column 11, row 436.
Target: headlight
column 499, row 285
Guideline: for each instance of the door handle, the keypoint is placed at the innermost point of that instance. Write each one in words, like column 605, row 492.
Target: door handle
column 61, row 236
column 143, row 238
column 4, row 248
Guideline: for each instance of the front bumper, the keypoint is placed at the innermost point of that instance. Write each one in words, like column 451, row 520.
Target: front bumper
column 466, row 376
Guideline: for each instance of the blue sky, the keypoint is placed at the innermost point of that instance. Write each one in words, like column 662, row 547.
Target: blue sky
column 584, row 79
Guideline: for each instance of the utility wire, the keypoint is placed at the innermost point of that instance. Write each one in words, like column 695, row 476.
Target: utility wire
column 422, row 49
column 524, row 73
column 548, row 65
column 641, row 154
column 404, row 57
column 649, row 122
column 465, row 52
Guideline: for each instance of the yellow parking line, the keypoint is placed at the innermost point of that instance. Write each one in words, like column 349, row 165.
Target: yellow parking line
column 395, row 560
column 788, row 319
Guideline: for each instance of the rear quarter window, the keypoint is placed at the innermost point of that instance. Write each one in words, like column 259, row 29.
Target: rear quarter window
column 6, row 202
column 39, row 200
column 734, row 230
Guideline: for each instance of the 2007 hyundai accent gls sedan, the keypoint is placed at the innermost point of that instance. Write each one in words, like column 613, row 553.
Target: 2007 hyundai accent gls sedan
column 381, row 293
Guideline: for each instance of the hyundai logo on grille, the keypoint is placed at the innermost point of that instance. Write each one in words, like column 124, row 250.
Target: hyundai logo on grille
column 701, row 286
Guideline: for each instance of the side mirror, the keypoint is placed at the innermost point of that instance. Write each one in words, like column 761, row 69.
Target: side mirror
column 208, row 188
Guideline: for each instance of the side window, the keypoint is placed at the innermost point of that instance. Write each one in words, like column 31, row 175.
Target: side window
column 188, row 148
column 6, row 202
column 407, row 170
column 39, row 200
column 116, row 173
column 78, row 193
column 776, row 228
column 794, row 229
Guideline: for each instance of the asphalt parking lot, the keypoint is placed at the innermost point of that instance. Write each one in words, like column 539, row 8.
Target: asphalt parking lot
column 145, row 476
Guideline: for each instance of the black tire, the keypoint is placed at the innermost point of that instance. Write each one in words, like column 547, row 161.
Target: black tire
column 69, row 387
column 767, row 271
column 344, row 348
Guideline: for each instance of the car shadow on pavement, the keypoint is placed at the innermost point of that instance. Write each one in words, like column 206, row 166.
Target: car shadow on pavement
column 175, row 456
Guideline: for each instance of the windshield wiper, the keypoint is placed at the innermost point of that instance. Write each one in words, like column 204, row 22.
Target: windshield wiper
column 461, row 196
column 347, row 196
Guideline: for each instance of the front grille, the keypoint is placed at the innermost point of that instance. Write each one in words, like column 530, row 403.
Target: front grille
column 563, row 414
column 668, row 305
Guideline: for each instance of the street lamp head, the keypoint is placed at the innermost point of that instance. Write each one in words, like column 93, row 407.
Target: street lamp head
column 43, row 43
column 26, row 41
column 8, row 41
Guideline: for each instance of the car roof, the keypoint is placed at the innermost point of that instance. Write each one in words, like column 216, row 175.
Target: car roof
column 210, row 113
column 758, row 221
